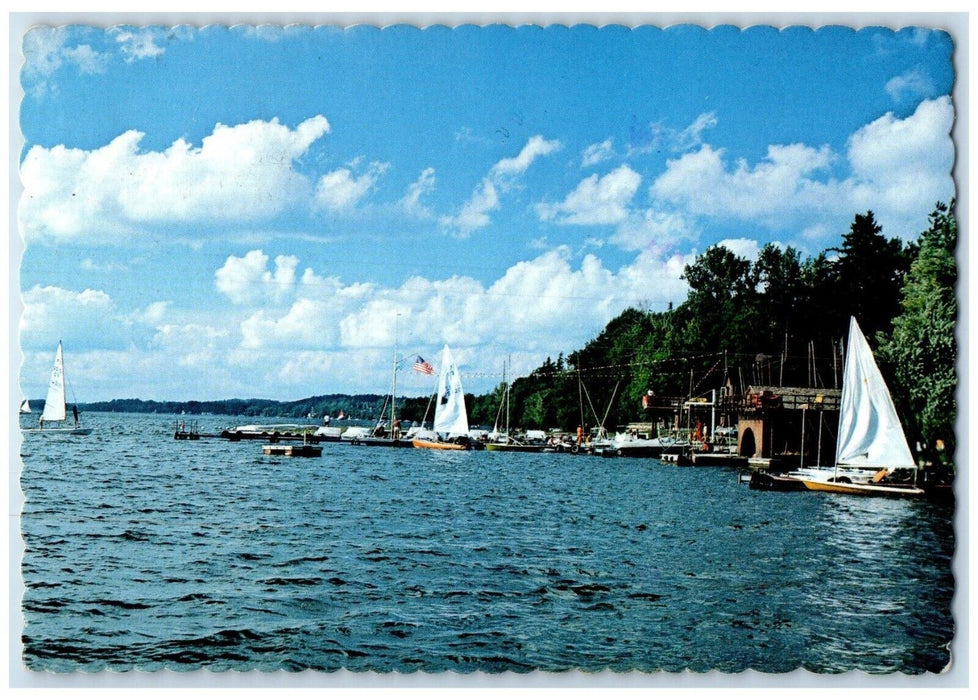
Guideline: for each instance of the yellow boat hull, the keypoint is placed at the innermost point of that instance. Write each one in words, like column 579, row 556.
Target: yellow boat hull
column 434, row 445
column 862, row 489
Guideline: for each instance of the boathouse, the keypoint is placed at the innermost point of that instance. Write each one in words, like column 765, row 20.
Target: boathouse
column 789, row 425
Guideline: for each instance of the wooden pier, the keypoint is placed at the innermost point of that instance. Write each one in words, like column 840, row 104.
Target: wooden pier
column 269, row 433
column 718, row 459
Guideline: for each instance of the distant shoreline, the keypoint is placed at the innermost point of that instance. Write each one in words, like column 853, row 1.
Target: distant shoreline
column 318, row 406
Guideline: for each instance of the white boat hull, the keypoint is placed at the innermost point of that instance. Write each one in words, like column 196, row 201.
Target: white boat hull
column 59, row 431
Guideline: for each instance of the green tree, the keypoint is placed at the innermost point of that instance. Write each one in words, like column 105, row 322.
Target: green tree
column 922, row 349
column 781, row 291
column 719, row 312
column 868, row 275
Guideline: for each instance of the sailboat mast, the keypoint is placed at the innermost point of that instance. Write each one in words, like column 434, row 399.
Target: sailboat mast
column 507, row 399
column 394, row 376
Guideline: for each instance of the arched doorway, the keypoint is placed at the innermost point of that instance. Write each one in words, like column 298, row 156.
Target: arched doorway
column 748, row 445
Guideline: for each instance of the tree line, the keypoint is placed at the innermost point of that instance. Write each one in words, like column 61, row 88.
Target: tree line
column 779, row 320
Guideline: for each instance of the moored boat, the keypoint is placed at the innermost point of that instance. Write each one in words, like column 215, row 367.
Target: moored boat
column 273, row 432
column 872, row 454
column 450, row 430
column 513, row 445
column 628, row 444
column 504, row 441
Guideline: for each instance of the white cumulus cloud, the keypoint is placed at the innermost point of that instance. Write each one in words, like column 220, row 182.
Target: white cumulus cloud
column 242, row 172
column 902, row 167
column 596, row 200
column 898, row 168
column 341, row 190
column 248, row 280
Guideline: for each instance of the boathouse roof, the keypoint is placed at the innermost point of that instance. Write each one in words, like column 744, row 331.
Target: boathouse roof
column 792, row 398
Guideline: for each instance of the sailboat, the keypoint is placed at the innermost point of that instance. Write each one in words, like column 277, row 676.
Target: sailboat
column 505, row 442
column 55, row 407
column 387, row 432
column 25, row 407
column 871, row 445
column 451, row 424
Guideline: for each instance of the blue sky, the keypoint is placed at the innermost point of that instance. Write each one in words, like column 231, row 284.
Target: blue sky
column 267, row 212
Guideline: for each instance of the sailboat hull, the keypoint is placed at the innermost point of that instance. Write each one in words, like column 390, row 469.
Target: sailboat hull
column 763, row 481
column 59, row 431
column 511, row 447
column 433, row 445
column 896, row 490
column 381, row 442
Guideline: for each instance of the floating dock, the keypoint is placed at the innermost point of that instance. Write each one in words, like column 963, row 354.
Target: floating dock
column 270, row 433
column 304, row 450
column 718, row 459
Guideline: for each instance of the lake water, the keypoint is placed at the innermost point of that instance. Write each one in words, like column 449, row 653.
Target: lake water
column 143, row 552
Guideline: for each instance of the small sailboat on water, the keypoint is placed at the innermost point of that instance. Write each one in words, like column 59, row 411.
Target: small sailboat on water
column 505, row 441
column 25, row 407
column 871, row 447
column 387, row 432
column 451, row 424
column 54, row 418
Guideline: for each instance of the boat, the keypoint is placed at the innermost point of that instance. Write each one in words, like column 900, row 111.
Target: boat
column 450, row 429
column 54, row 417
column 872, row 454
column 628, row 444
column 505, row 441
column 387, row 432
column 512, row 444
column 273, row 432
column 326, row 433
column 25, row 407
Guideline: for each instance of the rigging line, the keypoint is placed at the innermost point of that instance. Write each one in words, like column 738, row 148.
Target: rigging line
column 703, row 379
column 590, row 404
column 610, row 402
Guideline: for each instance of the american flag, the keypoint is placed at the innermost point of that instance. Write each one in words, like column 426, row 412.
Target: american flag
column 421, row 366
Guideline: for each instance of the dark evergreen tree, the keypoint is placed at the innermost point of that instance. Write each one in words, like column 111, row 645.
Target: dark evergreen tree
column 868, row 277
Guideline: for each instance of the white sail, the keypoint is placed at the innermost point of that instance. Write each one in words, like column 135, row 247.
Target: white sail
column 870, row 433
column 25, row 407
column 54, row 405
column 450, row 415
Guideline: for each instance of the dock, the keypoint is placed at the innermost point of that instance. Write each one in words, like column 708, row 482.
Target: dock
column 304, row 450
column 718, row 459
column 182, row 432
column 270, row 433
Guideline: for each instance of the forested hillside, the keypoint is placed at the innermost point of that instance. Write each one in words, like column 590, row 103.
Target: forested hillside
column 778, row 320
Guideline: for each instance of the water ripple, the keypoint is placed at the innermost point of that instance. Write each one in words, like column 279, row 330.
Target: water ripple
column 149, row 553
